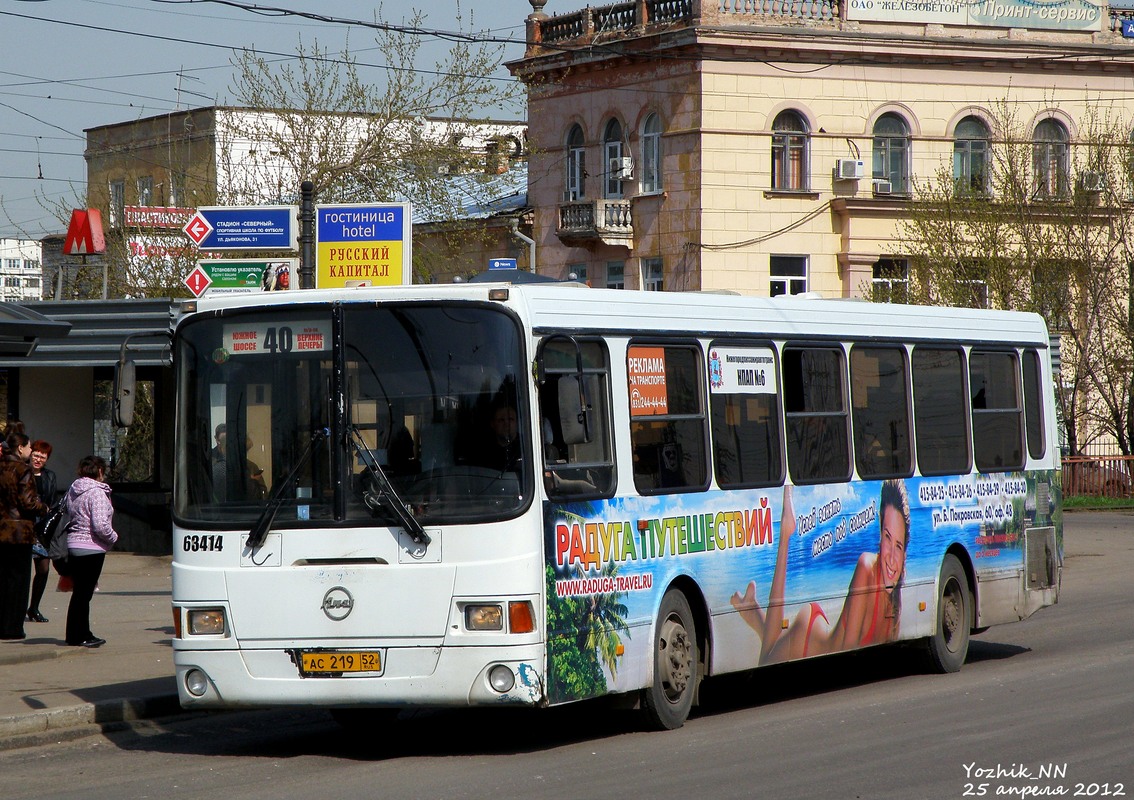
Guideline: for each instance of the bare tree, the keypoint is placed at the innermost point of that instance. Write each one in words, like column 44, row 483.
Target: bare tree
column 1049, row 231
column 405, row 137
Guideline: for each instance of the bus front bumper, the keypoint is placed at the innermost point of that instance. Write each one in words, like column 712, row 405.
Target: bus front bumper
column 410, row 677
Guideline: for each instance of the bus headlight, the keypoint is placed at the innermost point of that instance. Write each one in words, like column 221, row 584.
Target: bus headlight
column 484, row 618
column 205, row 621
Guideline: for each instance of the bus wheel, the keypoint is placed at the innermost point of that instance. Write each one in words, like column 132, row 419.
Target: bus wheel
column 668, row 699
column 949, row 646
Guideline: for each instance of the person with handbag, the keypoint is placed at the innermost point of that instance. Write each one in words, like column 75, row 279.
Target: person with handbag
column 90, row 535
column 41, row 562
column 19, row 506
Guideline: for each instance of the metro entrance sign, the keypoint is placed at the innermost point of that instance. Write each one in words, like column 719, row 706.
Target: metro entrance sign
column 244, row 228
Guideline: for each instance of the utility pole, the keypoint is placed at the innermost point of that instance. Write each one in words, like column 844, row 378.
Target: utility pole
column 307, row 235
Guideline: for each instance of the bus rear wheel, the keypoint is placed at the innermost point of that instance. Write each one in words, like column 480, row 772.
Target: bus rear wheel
column 948, row 647
column 669, row 698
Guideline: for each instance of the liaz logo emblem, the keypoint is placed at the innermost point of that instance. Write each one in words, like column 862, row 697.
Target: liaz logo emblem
column 337, row 603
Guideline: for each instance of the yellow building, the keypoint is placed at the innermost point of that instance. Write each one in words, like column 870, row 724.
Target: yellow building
column 772, row 146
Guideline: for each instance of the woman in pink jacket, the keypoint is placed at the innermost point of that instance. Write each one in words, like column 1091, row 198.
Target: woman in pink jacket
column 90, row 534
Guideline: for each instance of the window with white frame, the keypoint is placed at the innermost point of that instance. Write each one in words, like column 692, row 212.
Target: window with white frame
column 576, row 188
column 612, row 159
column 652, row 275
column 789, row 152
column 890, row 281
column 973, row 279
column 649, row 170
column 892, row 153
column 117, row 202
column 146, row 190
column 971, row 156
column 615, row 275
column 788, row 275
column 1050, row 159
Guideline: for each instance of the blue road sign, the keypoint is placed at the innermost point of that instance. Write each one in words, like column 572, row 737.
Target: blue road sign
column 245, row 228
column 501, row 263
column 1128, row 28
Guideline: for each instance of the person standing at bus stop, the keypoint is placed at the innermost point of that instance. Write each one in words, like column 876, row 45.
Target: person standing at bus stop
column 871, row 610
column 19, row 506
column 90, row 535
column 46, row 488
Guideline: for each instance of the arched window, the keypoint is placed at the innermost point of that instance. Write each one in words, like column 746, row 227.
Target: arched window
column 612, row 158
column 575, row 187
column 970, row 156
column 892, row 152
column 1050, row 156
column 649, row 170
column 789, row 152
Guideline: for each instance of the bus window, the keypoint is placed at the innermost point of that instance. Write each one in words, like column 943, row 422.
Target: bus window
column 576, row 468
column 880, row 412
column 940, row 411
column 1033, row 405
column 745, row 413
column 815, row 414
column 998, row 418
column 667, row 418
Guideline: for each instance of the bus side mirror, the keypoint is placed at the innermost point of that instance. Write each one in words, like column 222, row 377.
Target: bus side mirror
column 574, row 410
column 125, row 388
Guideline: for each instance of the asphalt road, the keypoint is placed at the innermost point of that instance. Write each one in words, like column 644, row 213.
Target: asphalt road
column 1042, row 708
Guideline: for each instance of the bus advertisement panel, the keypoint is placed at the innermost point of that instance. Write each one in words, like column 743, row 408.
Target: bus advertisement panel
column 863, row 559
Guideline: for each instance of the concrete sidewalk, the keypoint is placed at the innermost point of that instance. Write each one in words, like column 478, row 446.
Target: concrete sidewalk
column 50, row 692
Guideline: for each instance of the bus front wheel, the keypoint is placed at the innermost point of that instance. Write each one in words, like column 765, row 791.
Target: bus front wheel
column 949, row 645
column 669, row 698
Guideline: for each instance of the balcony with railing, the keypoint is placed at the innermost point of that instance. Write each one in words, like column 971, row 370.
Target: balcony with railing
column 586, row 221
column 644, row 16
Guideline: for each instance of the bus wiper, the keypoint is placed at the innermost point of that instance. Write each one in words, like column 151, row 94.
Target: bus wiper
column 386, row 495
column 259, row 531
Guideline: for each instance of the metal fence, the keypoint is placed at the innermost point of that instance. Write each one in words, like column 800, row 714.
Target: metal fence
column 1098, row 476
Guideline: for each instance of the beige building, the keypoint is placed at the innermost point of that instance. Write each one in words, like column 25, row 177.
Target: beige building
column 768, row 147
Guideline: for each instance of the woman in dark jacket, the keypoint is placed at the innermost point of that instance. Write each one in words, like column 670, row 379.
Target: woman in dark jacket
column 45, row 486
column 19, row 506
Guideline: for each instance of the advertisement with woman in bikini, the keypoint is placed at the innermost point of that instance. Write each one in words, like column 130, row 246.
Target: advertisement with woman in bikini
column 783, row 573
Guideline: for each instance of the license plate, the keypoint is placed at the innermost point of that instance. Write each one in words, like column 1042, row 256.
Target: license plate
column 339, row 662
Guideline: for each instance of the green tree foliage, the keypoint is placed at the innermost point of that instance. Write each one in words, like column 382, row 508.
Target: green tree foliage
column 583, row 636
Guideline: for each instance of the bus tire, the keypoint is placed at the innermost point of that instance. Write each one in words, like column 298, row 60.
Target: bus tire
column 669, row 698
column 948, row 647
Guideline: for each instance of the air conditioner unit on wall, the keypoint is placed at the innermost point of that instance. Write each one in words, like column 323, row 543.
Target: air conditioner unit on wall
column 849, row 169
column 621, row 169
column 883, row 187
column 1092, row 181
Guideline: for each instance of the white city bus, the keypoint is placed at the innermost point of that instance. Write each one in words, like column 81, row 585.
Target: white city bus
column 484, row 494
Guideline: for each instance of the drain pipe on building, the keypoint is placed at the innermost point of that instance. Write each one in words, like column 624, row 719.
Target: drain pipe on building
column 530, row 242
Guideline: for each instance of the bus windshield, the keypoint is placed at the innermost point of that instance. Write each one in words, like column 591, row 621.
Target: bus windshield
column 294, row 402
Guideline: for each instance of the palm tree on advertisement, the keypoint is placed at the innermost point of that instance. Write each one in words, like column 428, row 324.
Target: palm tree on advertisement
column 605, row 618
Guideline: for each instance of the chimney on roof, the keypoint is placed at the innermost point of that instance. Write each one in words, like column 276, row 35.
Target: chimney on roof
column 496, row 160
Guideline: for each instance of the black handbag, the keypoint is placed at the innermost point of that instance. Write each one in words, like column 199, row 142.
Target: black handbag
column 47, row 526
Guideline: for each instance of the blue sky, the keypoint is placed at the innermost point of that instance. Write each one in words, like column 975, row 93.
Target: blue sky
column 67, row 65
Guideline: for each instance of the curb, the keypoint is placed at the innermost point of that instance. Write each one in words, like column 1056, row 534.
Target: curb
column 52, row 725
